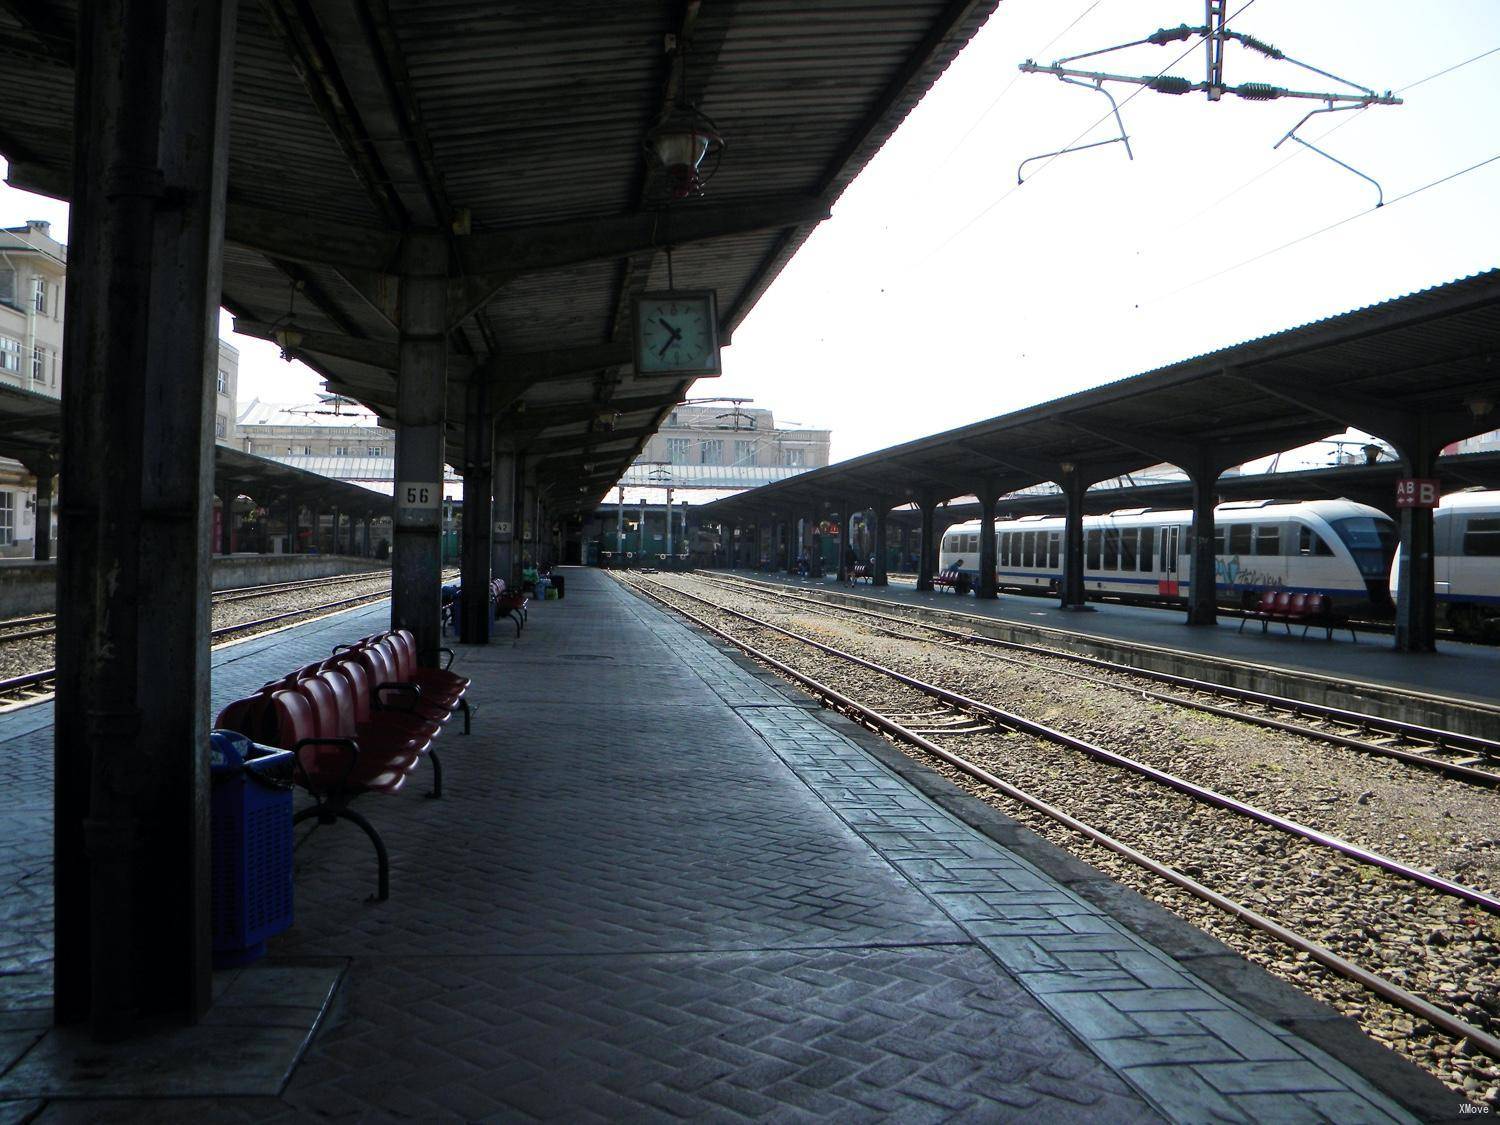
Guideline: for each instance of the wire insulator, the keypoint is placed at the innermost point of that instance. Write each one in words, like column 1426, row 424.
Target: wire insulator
column 1170, row 84
column 1257, row 91
column 1164, row 35
column 1264, row 48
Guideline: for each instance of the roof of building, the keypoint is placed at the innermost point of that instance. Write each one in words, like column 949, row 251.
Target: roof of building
column 331, row 413
column 33, row 238
column 519, row 128
column 1428, row 354
column 728, row 477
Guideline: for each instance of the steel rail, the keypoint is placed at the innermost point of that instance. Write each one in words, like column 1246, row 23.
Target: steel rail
column 30, row 679
column 1394, row 994
column 1191, row 789
column 1446, row 741
column 220, row 597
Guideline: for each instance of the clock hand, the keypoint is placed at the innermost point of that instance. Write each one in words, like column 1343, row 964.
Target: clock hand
column 669, row 342
column 676, row 333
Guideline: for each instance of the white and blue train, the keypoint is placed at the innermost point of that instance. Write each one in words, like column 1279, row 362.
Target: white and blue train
column 1333, row 547
column 1466, row 563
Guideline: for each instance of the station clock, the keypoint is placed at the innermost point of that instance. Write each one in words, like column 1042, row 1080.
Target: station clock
column 677, row 333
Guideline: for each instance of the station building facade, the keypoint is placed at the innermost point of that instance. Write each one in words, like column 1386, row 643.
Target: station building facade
column 33, row 283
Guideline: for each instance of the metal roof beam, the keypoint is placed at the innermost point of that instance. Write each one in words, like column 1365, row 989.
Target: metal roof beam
column 491, row 260
column 544, row 417
column 371, row 353
column 45, row 25
column 1397, row 423
column 317, row 242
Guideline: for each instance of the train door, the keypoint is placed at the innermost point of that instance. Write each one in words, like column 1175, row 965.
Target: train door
column 1166, row 571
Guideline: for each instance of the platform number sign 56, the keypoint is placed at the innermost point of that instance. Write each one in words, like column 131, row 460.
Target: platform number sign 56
column 419, row 496
column 1416, row 492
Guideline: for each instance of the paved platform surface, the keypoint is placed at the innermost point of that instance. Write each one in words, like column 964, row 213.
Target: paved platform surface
column 662, row 885
column 1462, row 671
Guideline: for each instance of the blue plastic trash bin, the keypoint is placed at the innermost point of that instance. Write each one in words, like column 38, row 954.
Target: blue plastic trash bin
column 251, row 829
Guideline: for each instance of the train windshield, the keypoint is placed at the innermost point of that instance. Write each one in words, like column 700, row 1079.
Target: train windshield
column 1371, row 541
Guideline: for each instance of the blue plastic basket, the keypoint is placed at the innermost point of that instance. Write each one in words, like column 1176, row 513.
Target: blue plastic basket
column 251, row 829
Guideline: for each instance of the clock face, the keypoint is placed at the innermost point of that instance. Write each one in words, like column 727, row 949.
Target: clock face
column 676, row 333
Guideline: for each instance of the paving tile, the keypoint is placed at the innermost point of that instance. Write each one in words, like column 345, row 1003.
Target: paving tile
column 603, row 928
column 1268, row 1077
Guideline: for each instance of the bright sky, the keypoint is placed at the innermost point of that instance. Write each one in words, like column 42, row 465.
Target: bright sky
column 940, row 294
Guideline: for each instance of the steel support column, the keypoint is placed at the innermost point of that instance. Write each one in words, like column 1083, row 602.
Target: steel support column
column 988, row 586
column 845, row 530
column 1416, row 601
column 293, row 523
column 131, row 783
column 1203, row 578
column 882, row 530
column 1074, row 595
column 479, row 515
column 421, row 396
column 929, row 554
column 506, row 561
column 45, row 471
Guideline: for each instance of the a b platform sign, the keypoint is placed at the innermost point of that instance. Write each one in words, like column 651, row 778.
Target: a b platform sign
column 1415, row 492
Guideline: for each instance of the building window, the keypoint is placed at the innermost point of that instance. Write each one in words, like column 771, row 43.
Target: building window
column 711, row 452
column 307, row 451
column 40, row 297
column 373, row 451
column 7, row 518
column 8, row 287
column 744, row 453
column 341, row 451
column 38, row 364
column 10, row 354
column 223, row 381
column 221, row 426
column 791, row 457
column 677, row 450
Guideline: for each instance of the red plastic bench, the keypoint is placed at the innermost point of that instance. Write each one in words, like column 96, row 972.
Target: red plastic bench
column 1307, row 610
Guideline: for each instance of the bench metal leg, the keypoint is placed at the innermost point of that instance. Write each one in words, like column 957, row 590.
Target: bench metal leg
column 437, row 774
column 463, row 705
column 327, row 815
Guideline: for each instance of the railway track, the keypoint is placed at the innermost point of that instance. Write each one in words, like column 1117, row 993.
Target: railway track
column 1463, row 756
column 45, row 624
column 36, row 685
column 1392, row 900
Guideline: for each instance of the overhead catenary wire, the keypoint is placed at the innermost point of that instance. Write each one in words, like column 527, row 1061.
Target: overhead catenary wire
column 978, row 121
column 1324, row 230
column 1051, row 159
column 1328, row 133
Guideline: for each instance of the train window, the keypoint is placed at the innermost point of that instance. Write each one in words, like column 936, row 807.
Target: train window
column 1267, row 539
column 1309, row 542
column 1148, row 548
column 1239, row 539
column 1482, row 537
column 1054, row 548
column 1093, row 550
column 1111, row 548
column 974, row 542
column 1030, row 550
column 1129, row 537
column 1221, row 540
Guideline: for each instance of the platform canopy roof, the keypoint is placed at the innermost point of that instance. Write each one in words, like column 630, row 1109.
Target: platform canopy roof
column 519, row 128
column 1433, row 356
column 31, row 432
